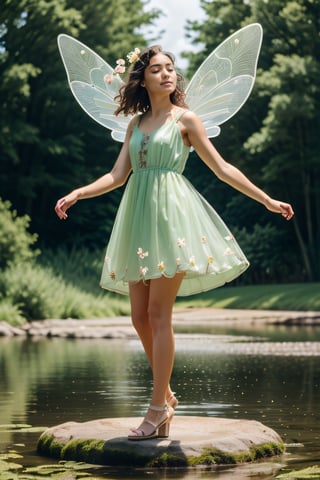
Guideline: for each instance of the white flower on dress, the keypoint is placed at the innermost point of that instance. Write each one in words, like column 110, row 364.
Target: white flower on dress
column 141, row 253
column 106, row 258
column 228, row 251
column 161, row 266
column 178, row 261
column 192, row 261
column 143, row 271
column 229, row 237
column 181, row 242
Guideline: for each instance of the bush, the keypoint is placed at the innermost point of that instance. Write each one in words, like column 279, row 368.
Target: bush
column 38, row 293
column 15, row 240
column 30, row 289
column 10, row 313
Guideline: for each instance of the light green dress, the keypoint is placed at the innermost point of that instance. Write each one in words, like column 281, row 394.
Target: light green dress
column 164, row 226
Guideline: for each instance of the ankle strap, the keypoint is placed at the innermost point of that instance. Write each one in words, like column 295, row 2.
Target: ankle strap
column 155, row 408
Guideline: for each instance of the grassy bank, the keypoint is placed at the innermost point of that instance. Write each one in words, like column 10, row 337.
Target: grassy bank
column 66, row 285
column 299, row 296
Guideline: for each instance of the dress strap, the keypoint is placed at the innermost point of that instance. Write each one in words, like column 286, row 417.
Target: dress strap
column 137, row 120
column 179, row 114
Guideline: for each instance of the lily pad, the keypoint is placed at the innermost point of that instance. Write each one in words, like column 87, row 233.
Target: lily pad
column 305, row 474
column 6, row 456
column 14, row 426
column 9, row 476
column 8, row 466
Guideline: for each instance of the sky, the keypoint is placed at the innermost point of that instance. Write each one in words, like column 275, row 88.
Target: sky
column 173, row 20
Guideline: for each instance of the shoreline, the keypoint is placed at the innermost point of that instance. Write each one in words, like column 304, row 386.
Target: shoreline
column 120, row 327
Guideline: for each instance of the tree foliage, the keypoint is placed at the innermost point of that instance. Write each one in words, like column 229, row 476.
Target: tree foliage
column 16, row 242
column 47, row 144
column 274, row 139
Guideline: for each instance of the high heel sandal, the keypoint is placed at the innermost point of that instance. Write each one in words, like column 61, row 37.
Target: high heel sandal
column 161, row 429
column 173, row 401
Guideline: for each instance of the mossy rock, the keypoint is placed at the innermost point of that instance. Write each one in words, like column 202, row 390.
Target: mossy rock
column 193, row 441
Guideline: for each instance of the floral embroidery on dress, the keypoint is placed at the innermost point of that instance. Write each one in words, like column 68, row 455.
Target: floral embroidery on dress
column 112, row 275
column 178, row 261
column 192, row 261
column 210, row 259
column 203, row 239
column 181, row 242
column 229, row 237
column 228, row 251
column 143, row 271
column 141, row 253
column 142, row 163
column 161, row 266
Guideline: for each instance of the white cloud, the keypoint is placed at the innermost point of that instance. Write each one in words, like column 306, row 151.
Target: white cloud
column 172, row 22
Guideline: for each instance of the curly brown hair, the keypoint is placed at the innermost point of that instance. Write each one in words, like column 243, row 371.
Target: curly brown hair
column 134, row 98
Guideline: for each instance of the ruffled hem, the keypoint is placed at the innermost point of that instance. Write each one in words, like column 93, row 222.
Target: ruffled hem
column 194, row 282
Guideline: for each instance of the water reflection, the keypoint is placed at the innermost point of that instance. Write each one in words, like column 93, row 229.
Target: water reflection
column 50, row 381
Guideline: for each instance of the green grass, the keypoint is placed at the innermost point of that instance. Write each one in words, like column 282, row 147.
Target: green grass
column 297, row 297
column 66, row 285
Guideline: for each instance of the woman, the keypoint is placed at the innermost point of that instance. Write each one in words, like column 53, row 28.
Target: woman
column 167, row 240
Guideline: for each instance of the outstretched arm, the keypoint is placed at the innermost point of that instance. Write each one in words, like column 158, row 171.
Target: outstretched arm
column 195, row 132
column 110, row 181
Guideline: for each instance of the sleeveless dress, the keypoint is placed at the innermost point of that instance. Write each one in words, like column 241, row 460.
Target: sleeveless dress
column 164, row 226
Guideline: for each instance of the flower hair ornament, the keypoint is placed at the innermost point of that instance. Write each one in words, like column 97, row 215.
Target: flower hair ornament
column 120, row 67
column 216, row 92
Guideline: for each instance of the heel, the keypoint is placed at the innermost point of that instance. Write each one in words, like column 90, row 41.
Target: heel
column 163, row 430
column 160, row 429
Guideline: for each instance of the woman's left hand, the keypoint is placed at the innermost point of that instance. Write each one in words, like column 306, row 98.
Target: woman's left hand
column 285, row 209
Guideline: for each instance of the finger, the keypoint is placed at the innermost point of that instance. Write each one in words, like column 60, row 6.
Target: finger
column 287, row 211
column 59, row 209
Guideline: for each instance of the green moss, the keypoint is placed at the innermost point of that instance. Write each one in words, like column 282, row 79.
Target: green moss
column 49, row 447
column 269, row 449
column 211, row 456
column 90, row 450
column 95, row 452
column 168, row 460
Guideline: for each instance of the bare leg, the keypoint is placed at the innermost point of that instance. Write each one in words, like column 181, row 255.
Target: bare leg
column 139, row 298
column 152, row 306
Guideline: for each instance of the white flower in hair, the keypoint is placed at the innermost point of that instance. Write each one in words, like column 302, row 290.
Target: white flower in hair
column 133, row 56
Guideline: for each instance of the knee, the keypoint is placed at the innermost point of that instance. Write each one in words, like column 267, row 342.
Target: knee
column 139, row 319
column 159, row 317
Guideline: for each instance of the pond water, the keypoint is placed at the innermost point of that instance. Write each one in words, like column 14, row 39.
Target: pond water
column 270, row 374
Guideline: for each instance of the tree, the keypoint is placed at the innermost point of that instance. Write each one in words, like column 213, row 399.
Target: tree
column 289, row 137
column 47, row 144
column 274, row 138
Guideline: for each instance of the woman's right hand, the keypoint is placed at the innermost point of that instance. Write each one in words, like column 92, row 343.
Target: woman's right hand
column 64, row 203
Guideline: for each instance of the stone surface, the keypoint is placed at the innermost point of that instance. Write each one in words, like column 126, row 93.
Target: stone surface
column 192, row 441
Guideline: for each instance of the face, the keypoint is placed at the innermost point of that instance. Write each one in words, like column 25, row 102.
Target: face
column 160, row 75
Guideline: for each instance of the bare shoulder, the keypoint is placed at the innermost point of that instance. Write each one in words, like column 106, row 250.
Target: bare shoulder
column 133, row 122
column 190, row 120
column 192, row 126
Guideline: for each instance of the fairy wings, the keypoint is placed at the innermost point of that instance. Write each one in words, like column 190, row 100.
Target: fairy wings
column 217, row 90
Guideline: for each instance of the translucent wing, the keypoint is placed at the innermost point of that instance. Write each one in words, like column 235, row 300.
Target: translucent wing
column 87, row 75
column 223, row 82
